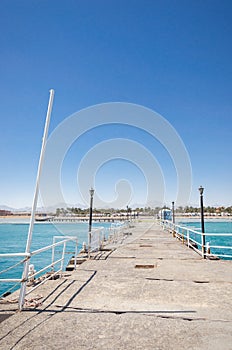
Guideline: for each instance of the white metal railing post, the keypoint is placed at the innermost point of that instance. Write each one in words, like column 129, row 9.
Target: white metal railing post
column 102, row 235
column 62, row 259
column 35, row 200
column 188, row 237
column 76, row 250
column 53, row 253
column 99, row 240
column 202, row 245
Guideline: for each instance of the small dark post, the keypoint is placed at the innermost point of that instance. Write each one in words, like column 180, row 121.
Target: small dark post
column 173, row 213
column 201, row 190
column 91, row 191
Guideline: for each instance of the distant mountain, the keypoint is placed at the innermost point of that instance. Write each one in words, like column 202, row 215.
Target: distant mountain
column 5, row 207
column 61, row 205
column 50, row 209
column 15, row 210
column 25, row 209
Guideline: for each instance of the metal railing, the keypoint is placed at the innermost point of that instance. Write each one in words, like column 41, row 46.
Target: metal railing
column 102, row 235
column 194, row 239
column 117, row 231
column 58, row 241
column 33, row 279
column 96, row 239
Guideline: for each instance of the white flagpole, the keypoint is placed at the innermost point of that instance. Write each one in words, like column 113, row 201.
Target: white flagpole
column 35, row 200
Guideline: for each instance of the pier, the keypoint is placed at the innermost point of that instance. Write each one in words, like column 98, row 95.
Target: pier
column 69, row 219
column 150, row 291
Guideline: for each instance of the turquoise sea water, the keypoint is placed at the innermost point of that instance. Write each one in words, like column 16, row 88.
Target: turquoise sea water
column 214, row 227
column 13, row 237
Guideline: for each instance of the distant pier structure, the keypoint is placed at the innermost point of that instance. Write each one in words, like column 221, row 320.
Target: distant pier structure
column 80, row 218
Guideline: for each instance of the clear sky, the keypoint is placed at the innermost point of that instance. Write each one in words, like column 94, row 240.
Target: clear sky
column 171, row 56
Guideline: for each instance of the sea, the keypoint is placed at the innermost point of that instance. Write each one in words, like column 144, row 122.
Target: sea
column 13, row 238
column 215, row 227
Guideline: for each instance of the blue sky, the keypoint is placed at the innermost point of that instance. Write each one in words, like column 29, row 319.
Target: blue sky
column 174, row 57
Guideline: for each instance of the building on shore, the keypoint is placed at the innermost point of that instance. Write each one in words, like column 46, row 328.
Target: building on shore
column 5, row 212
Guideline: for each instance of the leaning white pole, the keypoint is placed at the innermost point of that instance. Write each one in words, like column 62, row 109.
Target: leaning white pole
column 35, row 200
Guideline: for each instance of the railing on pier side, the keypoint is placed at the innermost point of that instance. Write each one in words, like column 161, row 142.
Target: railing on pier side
column 112, row 234
column 117, row 231
column 58, row 241
column 194, row 239
column 97, row 238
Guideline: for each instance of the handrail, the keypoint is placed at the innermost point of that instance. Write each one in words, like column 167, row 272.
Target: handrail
column 33, row 274
column 112, row 234
column 116, row 231
column 97, row 237
column 190, row 236
column 9, row 255
column 41, row 250
column 43, row 281
column 14, row 280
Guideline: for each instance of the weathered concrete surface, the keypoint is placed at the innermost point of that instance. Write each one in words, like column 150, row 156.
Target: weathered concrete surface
column 183, row 302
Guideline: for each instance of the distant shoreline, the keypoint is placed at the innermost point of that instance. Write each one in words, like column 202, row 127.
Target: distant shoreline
column 207, row 218
column 140, row 216
column 25, row 219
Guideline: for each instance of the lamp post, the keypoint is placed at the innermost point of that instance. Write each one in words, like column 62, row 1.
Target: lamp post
column 91, row 191
column 201, row 190
column 173, row 213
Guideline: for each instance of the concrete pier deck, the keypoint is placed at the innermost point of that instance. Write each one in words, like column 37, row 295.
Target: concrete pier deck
column 152, row 292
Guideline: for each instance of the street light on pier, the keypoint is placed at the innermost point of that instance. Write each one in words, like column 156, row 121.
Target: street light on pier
column 201, row 190
column 91, row 191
